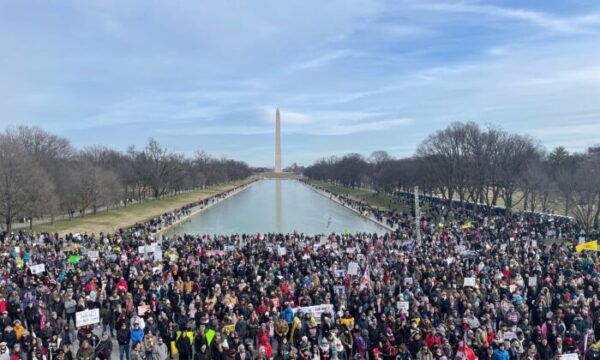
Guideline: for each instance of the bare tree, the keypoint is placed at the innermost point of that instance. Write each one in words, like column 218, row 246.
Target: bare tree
column 24, row 191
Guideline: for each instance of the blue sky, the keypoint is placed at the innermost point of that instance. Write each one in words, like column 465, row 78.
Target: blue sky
column 348, row 75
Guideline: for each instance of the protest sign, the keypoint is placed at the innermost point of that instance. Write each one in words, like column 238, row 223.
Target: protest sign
column 532, row 281
column 93, row 255
column 87, row 317
column 228, row 329
column 210, row 253
column 143, row 309
column 350, row 250
column 469, row 282
column 281, row 251
column 158, row 255
column 403, row 305
column 275, row 302
column 408, row 280
column 340, row 273
column 317, row 310
column 339, row 289
column 570, row 356
column 353, row 268
column 74, row 259
column 37, row 269
column 146, row 249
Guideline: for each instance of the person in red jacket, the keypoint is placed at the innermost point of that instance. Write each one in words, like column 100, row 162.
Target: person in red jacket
column 432, row 338
column 3, row 304
column 465, row 352
column 122, row 285
column 263, row 343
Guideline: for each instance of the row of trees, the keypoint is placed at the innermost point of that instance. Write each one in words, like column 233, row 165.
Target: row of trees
column 488, row 166
column 42, row 175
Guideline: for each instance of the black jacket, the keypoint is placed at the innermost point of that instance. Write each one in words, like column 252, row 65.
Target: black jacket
column 123, row 336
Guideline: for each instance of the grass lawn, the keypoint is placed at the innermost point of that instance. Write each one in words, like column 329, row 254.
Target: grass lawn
column 380, row 201
column 108, row 221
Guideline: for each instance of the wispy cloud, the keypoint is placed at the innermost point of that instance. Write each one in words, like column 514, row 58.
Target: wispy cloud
column 325, row 59
column 347, row 75
column 575, row 24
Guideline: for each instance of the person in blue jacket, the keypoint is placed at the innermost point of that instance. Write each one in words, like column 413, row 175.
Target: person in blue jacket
column 137, row 334
column 500, row 353
column 288, row 314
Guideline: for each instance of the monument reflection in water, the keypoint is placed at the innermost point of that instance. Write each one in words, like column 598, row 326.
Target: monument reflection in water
column 281, row 206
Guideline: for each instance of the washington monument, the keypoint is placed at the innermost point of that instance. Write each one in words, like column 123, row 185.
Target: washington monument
column 277, row 142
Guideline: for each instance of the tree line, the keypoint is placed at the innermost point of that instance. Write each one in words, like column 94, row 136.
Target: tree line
column 490, row 166
column 42, row 175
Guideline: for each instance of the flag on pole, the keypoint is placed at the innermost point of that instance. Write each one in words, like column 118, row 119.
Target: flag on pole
column 590, row 245
column 365, row 280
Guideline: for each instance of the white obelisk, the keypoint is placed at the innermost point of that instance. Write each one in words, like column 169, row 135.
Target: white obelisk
column 277, row 142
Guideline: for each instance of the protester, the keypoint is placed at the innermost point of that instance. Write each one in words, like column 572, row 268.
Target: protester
column 480, row 284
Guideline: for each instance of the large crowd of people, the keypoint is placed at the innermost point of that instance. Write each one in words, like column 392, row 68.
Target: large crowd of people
column 477, row 285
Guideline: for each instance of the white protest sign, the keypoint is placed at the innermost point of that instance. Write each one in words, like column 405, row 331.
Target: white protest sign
column 340, row 273
column 460, row 248
column 339, row 289
column 532, row 281
column 17, row 249
column 37, row 269
column 512, row 288
column 408, row 280
column 509, row 335
column 503, row 247
column 469, row 281
column 281, row 251
column 533, row 243
column 146, row 249
column 87, row 317
column 350, row 250
column 581, row 241
column 93, row 255
column 317, row 310
column 571, row 356
column 158, row 255
column 353, row 268
column 403, row 305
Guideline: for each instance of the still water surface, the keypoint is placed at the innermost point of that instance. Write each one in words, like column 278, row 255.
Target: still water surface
column 276, row 206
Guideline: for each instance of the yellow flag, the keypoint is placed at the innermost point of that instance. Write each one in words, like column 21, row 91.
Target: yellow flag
column 590, row 245
column 467, row 225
